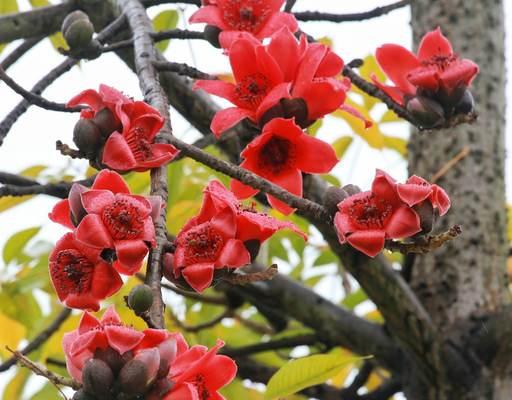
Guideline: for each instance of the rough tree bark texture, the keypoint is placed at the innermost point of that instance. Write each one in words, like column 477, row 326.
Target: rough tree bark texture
column 466, row 278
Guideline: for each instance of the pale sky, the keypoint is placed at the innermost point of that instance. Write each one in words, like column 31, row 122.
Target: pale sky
column 32, row 139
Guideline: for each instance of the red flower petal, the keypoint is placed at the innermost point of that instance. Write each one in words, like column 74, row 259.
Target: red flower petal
column 61, row 214
column 314, row 155
column 199, row 276
column 228, row 118
column 434, row 44
column 122, row 338
column 281, row 91
column 94, row 201
column 308, row 67
column 210, row 15
column 88, row 322
column 241, row 190
column 285, row 48
column 413, row 194
column 403, row 223
column 225, row 223
column 222, row 371
column 459, row 73
column 92, row 232
column 425, row 77
column 392, row 91
column 384, row 186
column 369, row 242
column 218, row 88
column 243, row 60
column 440, row 199
column 130, row 254
column 331, row 65
column 276, row 22
column 110, row 316
column 257, row 226
column 292, row 182
column 89, row 97
column 397, row 62
column 162, row 153
column 117, row 153
column 233, row 255
column 106, row 281
column 110, row 180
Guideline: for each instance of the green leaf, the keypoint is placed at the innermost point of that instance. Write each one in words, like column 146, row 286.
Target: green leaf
column 13, row 249
column 46, row 393
column 326, row 257
column 163, row 21
column 397, row 144
column 354, row 299
column 305, row 372
column 11, row 334
column 341, row 145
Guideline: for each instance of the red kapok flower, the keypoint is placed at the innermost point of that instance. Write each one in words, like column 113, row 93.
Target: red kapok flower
column 365, row 220
column 92, row 334
column 198, row 374
column 417, row 190
column 261, row 18
column 258, row 79
column 435, row 68
column 80, row 276
column 203, row 247
column 280, row 154
column 105, row 97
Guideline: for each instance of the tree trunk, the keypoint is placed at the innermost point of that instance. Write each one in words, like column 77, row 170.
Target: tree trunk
column 466, row 280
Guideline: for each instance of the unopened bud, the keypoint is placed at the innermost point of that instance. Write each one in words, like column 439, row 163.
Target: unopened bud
column 87, row 137
column 168, row 266
column 79, row 33
column 466, row 104
column 107, row 122
column 351, row 189
column 253, row 247
column 428, row 113
column 82, row 395
column 334, row 196
column 76, row 207
column 140, row 298
column 298, row 109
column 425, row 211
column 133, row 377
column 111, row 357
column 72, row 17
column 211, row 34
column 160, row 389
column 97, row 377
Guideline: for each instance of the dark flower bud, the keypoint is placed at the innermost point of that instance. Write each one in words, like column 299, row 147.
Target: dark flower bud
column 97, row 377
column 140, row 298
column 428, row 113
column 425, row 211
column 253, row 247
column 466, row 104
column 351, row 189
column 82, row 395
column 333, row 196
column 168, row 266
column 87, row 137
column 133, row 377
column 211, row 34
column 160, row 389
column 111, row 357
column 107, row 122
column 79, row 33
column 298, row 109
column 76, row 207
column 73, row 17
column 163, row 369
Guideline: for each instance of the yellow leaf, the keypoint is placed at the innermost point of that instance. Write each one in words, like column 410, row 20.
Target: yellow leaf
column 341, row 145
column 389, row 116
column 397, row 144
column 11, row 334
column 180, row 213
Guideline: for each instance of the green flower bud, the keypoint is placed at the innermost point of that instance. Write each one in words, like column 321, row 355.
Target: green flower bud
column 72, row 17
column 79, row 34
column 140, row 298
column 97, row 377
column 87, row 137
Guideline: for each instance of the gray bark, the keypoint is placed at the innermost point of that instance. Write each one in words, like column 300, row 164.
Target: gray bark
column 466, row 279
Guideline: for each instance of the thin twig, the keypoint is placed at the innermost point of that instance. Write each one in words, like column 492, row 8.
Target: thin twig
column 427, row 244
column 289, row 5
column 203, row 325
column 450, row 164
column 244, row 279
column 66, row 150
column 39, row 339
column 285, row 343
column 40, row 370
column 183, row 69
column 376, row 12
column 257, row 327
column 19, row 52
column 157, row 37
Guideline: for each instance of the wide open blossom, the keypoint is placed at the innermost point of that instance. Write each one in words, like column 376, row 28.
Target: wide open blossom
column 92, row 334
column 417, row 190
column 260, row 18
column 108, row 217
column 288, row 78
column 436, row 68
column 280, row 154
column 80, row 276
column 365, row 220
column 198, row 373
column 134, row 149
column 208, row 246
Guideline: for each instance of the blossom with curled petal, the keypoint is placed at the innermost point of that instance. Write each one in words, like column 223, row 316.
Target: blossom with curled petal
column 260, row 18
column 365, row 220
column 134, row 149
column 416, row 190
column 93, row 334
column 80, row 276
column 280, row 154
column 436, row 68
column 198, row 373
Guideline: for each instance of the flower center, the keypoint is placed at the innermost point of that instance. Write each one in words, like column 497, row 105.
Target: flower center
column 276, row 155
column 123, row 220
column 202, row 244
column 441, row 62
column 201, row 388
column 72, row 271
column 252, row 89
column 245, row 15
column 139, row 144
column 370, row 212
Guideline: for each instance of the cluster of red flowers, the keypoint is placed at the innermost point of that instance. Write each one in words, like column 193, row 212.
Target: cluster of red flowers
column 222, row 236
column 118, row 133
column 112, row 233
column 112, row 359
column 390, row 210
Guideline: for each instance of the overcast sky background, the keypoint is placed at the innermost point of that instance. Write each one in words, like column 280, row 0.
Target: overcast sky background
column 32, row 139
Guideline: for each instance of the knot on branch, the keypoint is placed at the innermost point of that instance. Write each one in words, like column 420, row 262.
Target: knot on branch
column 425, row 244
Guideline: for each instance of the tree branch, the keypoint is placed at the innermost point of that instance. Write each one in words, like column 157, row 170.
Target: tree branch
column 19, row 52
column 376, row 12
column 42, row 337
column 183, row 69
column 285, row 343
column 426, row 244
